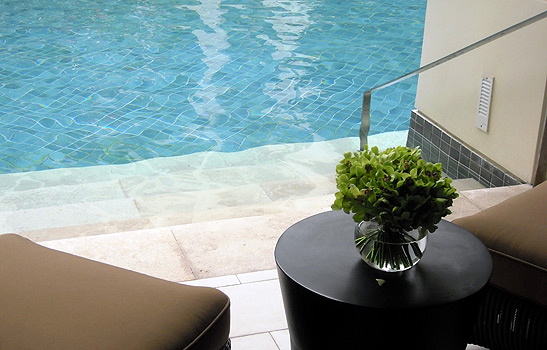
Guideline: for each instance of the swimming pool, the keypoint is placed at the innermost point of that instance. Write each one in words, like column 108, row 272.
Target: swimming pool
column 109, row 82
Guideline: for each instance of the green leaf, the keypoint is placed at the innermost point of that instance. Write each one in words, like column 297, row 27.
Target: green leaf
column 346, row 205
column 354, row 191
column 380, row 281
column 341, row 168
column 358, row 217
column 337, row 205
column 343, row 179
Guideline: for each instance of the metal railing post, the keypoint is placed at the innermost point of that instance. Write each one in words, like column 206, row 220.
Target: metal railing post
column 365, row 120
column 365, row 112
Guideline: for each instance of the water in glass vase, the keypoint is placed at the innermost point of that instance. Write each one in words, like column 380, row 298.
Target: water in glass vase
column 389, row 251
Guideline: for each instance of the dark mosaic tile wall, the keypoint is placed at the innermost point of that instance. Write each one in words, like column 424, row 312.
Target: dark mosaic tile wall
column 459, row 162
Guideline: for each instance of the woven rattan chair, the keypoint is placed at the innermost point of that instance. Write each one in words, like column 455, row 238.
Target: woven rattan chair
column 513, row 315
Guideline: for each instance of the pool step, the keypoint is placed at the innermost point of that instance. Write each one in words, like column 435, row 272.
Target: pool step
column 45, row 228
column 180, row 189
column 166, row 208
column 162, row 192
column 53, row 201
column 169, row 209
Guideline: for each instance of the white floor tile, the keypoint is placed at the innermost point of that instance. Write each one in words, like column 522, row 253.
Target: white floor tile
column 282, row 339
column 215, row 282
column 254, row 342
column 256, row 308
column 258, row 276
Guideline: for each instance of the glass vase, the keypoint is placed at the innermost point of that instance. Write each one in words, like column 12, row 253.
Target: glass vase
column 389, row 251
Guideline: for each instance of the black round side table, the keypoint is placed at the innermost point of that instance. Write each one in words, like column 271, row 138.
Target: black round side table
column 333, row 299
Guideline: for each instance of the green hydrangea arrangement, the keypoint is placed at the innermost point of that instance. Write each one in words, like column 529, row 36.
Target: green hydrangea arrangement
column 395, row 187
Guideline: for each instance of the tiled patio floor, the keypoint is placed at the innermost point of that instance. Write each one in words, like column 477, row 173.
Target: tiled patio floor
column 258, row 319
column 236, row 256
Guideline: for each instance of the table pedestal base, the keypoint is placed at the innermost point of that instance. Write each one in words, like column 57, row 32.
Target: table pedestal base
column 316, row 322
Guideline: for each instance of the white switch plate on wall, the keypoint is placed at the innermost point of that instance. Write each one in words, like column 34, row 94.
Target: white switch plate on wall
column 485, row 98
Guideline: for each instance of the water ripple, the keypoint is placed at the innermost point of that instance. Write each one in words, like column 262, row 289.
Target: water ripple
column 89, row 82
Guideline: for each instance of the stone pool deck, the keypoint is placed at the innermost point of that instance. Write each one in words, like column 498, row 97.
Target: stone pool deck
column 210, row 221
column 236, row 256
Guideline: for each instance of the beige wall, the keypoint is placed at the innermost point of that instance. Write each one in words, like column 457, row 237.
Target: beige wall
column 449, row 94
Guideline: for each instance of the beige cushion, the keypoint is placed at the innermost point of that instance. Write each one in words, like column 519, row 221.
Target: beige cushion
column 515, row 232
column 53, row 300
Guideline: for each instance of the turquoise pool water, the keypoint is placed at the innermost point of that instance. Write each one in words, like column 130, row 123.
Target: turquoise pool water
column 91, row 82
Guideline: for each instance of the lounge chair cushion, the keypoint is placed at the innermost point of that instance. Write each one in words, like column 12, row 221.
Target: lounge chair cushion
column 515, row 232
column 54, row 300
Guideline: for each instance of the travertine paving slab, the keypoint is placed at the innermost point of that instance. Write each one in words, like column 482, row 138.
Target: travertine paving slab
column 485, row 198
column 461, row 207
column 196, row 179
column 67, row 215
column 153, row 252
column 300, row 187
column 190, row 202
column 239, row 245
column 60, row 195
column 303, row 204
column 93, row 229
